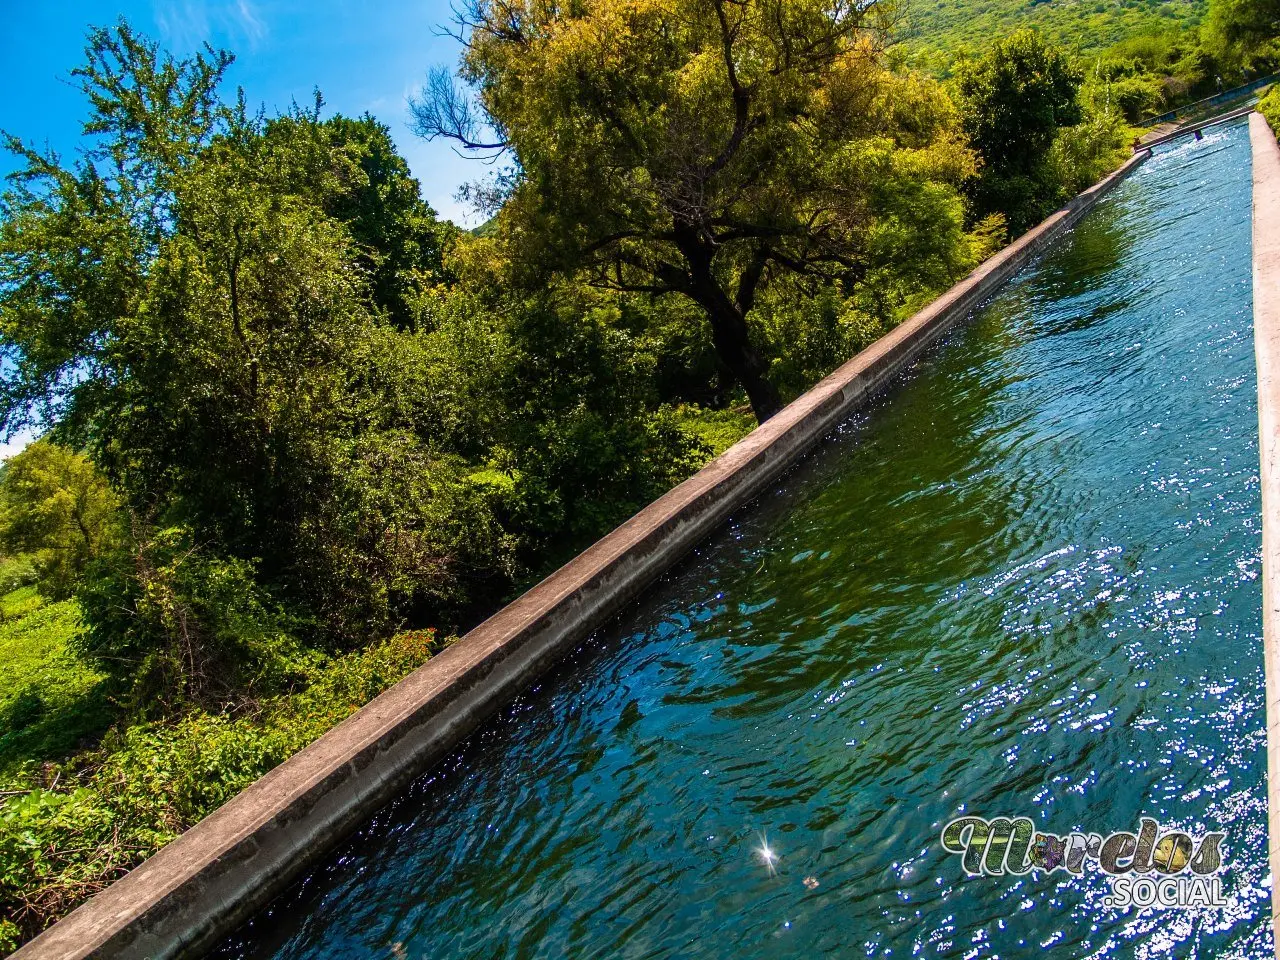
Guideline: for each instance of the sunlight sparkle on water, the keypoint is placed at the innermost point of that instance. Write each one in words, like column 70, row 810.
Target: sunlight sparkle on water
column 767, row 855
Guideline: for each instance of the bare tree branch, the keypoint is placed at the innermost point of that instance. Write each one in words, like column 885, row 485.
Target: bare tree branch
column 445, row 110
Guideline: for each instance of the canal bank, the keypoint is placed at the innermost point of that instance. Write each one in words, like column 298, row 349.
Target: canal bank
column 1266, row 330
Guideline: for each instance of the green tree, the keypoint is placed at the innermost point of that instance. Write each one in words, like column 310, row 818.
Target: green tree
column 697, row 149
column 187, row 303
column 1245, row 31
column 555, row 393
column 1014, row 100
column 399, row 239
column 56, row 507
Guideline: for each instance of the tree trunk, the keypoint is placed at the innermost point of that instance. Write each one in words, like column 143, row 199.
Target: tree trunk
column 733, row 344
column 732, row 339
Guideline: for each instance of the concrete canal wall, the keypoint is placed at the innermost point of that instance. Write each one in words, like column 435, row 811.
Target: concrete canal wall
column 1190, row 128
column 1266, row 345
column 203, row 885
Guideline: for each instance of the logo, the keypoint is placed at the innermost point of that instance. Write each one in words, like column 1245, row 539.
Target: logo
column 1150, row 868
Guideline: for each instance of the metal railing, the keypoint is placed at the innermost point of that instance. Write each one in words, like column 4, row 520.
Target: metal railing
column 1209, row 102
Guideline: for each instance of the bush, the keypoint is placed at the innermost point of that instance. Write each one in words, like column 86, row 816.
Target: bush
column 169, row 620
column 718, row 430
column 1135, row 97
column 1084, row 154
column 583, row 442
column 56, row 515
column 1269, row 107
column 72, row 829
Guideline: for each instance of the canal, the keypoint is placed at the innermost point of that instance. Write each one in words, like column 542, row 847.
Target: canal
column 1025, row 581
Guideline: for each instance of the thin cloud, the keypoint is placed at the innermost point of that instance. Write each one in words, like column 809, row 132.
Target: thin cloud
column 250, row 22
column 186, row 25
column 183, row 26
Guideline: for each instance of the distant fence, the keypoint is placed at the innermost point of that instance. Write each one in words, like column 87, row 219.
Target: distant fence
column 1208, row 103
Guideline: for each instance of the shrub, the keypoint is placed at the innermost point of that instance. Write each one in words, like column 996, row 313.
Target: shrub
column 67, row 831
column 1085, row 153
column 56, row 515
column 170, row 620
column 1269, row 107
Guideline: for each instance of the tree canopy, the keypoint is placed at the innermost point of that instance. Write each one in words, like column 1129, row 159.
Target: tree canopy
column 1014, row 101
column 208, row 302
column 700, row 149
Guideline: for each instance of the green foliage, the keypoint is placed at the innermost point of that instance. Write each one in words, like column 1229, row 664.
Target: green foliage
column 1135, row 97
column 169, row 620
column 66, row 832
column 399, row 242
column 1246, row 32
column 555, row 392
column 1150, row 73
column 227, row 358
column 577, row 391
column 56, row 513
column 16, row 572
column 660, row 148
column 1014, row 100
column 940, row 32
column 50, row 701
column 1086, row 152
column 717, row 430
column 810, row 336
column 1269, row 107
column 1145, row 56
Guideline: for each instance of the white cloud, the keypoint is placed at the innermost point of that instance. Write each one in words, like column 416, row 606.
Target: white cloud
column 185, row 25
column 250, row 22
column 16, row 445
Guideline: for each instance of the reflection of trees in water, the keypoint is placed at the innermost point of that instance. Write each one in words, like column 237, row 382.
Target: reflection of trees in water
column 917, row 499
column 946, row 482
column 1086, row 258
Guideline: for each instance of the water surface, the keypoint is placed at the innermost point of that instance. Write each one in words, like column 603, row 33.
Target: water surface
column 1025, row 581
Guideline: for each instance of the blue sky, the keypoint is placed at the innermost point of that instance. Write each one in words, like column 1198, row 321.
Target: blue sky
column 362, row 55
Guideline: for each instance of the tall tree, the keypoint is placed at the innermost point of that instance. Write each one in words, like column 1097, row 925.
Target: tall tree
column 188, row 302
column 399, row 240
column 1245, row 30
column 673, row 147
column 1014, row 100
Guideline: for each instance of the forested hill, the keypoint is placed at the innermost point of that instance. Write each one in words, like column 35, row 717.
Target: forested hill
column 955, row 26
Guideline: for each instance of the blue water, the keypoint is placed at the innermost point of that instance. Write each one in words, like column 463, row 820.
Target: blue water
column 1025, row 581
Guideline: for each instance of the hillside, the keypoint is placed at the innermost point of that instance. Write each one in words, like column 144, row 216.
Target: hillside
column 954, row 26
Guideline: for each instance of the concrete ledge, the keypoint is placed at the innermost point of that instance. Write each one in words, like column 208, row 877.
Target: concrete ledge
column 1266, row 346
column 203, row 885
column 1193, row 127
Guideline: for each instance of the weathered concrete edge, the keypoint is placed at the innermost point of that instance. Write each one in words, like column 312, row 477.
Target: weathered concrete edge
column 1266, row 347
column 204, row 884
